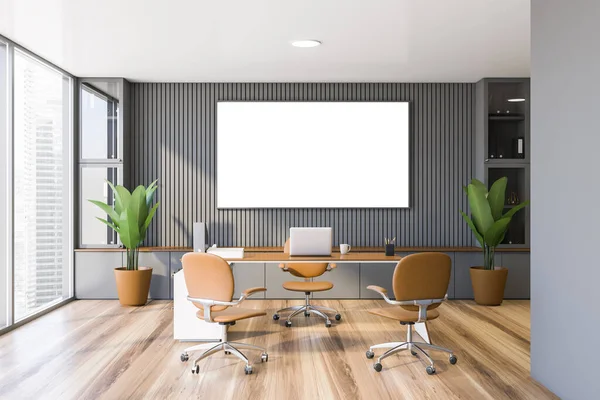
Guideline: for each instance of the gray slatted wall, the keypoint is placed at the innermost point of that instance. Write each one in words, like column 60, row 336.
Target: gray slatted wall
column 174, row 135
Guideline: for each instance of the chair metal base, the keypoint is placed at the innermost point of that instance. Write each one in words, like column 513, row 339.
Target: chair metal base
column 308, row 309
column 228, row 347
column 414, row 347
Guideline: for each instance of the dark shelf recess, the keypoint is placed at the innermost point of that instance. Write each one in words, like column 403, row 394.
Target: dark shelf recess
column 495, row 117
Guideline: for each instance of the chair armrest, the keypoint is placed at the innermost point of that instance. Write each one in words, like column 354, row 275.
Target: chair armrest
column 207, row 304
column 378, row 289
column 249, row 292
column 423, row 304
column 331, row 266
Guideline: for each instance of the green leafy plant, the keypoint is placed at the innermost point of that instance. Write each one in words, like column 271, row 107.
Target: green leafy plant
column 130, row 217
column 488, row 223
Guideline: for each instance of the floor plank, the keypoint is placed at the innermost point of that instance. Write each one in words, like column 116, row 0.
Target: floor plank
column 96, row 349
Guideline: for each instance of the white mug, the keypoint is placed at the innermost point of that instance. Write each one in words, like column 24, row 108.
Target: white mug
column 345, row 248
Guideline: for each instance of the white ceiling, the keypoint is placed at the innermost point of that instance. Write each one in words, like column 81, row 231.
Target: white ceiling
column 248, row 40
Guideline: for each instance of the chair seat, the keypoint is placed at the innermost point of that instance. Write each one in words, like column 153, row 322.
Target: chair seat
column 299, row 286
column 232, row 314
column 400, row 314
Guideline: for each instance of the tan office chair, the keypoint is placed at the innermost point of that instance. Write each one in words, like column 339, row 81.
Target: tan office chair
column 306, row 271
column 209, row 283
column 420, row 283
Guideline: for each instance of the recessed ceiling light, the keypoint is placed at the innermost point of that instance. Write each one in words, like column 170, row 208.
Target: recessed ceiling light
column 516, row 100
column 305, row 43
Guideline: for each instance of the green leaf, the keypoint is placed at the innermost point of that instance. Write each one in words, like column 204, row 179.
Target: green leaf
column 150, row 192
column 137, row 205
column 496, row 197
column 124, row 196
column 118, row 202
column 107, row 209
column 115, row 228
column 149, row 220
column 513, row 211
column 473, row 228
column 129, row 230
column 479, row 185
column 493, row 236
column 480, row 208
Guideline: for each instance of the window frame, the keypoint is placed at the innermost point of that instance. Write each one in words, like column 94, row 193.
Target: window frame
column 116, row 162
column 7, row 234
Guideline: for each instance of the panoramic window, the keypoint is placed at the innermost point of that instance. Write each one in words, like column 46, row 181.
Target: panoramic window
column 42, row 251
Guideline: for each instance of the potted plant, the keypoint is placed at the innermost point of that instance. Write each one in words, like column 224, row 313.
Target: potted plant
column 489, row 225
column 130, row 218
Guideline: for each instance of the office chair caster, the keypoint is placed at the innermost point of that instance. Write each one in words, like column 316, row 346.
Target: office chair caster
column 227, row 352
column 430, row 370
column 377, row 367
column 196, row 369
column 328, row 324
column 370, row 354
column 338, row 317
column 414, row 353
column 453, row 359
column 288, row 324
column 248, row 370
column 275, row 317
column 264, row 357
column 184, row 357
column 306, row 314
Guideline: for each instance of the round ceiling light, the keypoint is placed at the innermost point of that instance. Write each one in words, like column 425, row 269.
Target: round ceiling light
column 516, row 100
column 306, row 43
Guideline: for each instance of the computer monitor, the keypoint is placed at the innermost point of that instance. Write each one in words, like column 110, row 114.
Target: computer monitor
column 310, row 241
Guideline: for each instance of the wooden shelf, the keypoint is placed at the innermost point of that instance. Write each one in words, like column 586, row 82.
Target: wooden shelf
column 335, row 250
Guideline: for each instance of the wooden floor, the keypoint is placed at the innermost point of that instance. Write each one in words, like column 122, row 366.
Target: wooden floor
column 97, row 349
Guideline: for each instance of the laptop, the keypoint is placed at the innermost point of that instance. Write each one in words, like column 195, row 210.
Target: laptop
column 310, row 241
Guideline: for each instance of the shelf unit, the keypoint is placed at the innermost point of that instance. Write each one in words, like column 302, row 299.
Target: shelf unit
column 502, row 146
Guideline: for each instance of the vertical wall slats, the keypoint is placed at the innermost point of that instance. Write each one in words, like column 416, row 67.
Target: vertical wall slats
column 174, row 140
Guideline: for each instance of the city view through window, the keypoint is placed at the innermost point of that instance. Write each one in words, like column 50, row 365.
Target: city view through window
column 42, row 220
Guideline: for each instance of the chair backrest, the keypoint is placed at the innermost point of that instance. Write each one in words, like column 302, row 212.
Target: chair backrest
column 422, row 276
column 208, row 276
column 304, row 270
column 307, row 270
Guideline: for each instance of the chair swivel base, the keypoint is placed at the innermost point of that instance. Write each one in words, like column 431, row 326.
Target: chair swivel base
column 211, row 348
column 308, row 309
column 414, row 347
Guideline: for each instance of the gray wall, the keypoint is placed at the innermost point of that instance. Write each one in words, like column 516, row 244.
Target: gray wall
column 174, row 139
column 565, row 318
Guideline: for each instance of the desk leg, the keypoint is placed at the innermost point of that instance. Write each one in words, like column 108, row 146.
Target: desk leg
column 421, row 329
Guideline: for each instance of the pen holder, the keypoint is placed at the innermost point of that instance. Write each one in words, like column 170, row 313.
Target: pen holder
column 389, row 249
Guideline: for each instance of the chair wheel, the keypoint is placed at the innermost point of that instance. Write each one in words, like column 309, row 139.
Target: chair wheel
column 306, row 314
column 377, row 367
column 275, row 317
column 288, row 324
column 227, row 352
column 430, row 370
column 453, row 359
column 328, row 324
column 338, row 317
column 248, row 370
column 414, row 353
column 370, row 354
column 184, row 357
column 196, row 369
column 264, row 357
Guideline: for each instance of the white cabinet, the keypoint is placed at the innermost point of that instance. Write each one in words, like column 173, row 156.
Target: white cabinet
column 186, row 326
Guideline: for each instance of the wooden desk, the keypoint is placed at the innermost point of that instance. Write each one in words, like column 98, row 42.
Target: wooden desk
column 352, row 257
